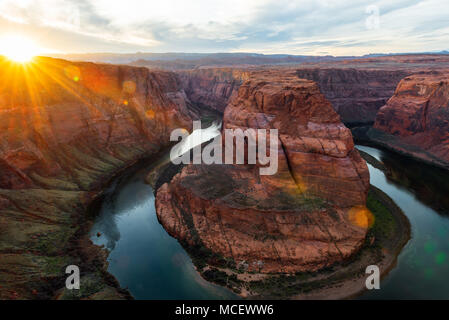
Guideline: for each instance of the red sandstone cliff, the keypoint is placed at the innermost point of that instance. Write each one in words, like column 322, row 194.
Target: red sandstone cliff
column 64, row 128
column 53, row 107
column 356, row 94
column 212, row 87
column 417, row 117
column 309, row 215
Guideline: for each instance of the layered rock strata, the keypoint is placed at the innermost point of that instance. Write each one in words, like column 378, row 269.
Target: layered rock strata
column 65, row 128
column 212, row 87
column 308, row 215
column 356, row 94
column 415, row 120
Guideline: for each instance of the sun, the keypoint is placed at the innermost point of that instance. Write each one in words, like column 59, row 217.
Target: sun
column 18, row 48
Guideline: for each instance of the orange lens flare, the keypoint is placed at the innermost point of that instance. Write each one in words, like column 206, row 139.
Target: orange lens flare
column 150, row 114
column 361, row 217
column 129, row 87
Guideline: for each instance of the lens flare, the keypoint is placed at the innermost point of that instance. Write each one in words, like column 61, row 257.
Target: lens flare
column 361, row 217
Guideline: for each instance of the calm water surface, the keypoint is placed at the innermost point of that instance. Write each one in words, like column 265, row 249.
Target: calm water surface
column 143, row 257
column 153, row 265
column 422, row 192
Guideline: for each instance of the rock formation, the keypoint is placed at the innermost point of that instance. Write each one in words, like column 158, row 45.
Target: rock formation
column 356, row 94
column 65, row 128
column 212, row 87
column 307, row 216
column 416, row 118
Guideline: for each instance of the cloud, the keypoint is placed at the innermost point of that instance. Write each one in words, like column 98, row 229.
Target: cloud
column 269, row 26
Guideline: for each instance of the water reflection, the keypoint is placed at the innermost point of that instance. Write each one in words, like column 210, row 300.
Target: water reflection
column 153, row 265
column 430, row 185
column 143, row 257
column 423, row 265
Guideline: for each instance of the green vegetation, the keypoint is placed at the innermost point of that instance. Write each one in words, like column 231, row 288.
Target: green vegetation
column 89, row 285
column 223, row 279
column 390, row 230
column 202, row 257
column 54, row 266
column 52, row 241
column 384, row 224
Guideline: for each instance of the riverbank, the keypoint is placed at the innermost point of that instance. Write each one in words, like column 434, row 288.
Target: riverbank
column 42, row 231
column 142, row 256
column 388, row 235
column 96, row 282
column 421, row 192
column 371, row 136
column 386, row 238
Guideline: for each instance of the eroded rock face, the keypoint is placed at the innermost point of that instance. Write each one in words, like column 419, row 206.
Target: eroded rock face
column 212, row 87
column 418, row 117
column 356, row 95
column 308, row 215
column 59, row 112
column 65, row 128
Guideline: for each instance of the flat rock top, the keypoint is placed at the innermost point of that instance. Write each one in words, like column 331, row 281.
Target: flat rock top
column 280, row 79
column 419, row 88
column 240, row 188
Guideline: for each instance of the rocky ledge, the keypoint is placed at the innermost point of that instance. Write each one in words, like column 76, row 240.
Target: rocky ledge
column 310, row 215
column 415, row 121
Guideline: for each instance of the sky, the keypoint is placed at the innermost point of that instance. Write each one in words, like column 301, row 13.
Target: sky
column 320, row 27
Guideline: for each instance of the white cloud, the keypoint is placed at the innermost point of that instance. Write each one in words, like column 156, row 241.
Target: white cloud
column 270, row 26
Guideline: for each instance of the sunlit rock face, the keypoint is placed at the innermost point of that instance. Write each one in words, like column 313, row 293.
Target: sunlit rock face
column 356, row 94
column 64, row 129
column 212, row 87
column 418, row 116
column 308, row 215
column 55, row 115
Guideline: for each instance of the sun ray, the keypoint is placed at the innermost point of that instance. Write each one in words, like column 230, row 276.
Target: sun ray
column 18, row 48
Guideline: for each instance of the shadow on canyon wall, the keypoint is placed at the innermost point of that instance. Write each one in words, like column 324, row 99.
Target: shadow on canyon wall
column 430, row 185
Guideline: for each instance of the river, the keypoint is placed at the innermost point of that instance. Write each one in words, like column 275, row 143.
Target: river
column 143, row 257
column 153, row 265
column 422, row 192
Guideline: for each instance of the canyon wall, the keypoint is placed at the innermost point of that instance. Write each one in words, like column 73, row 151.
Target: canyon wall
column 308, row 215
column 415, row 120
column 65, row 128
column 356, row 94
column 212, row 87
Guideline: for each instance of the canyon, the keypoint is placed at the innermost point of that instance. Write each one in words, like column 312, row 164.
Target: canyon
column 357, row 90
column 356, row 94
column 212, row 87
column 309, row 215
column 67, row 128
